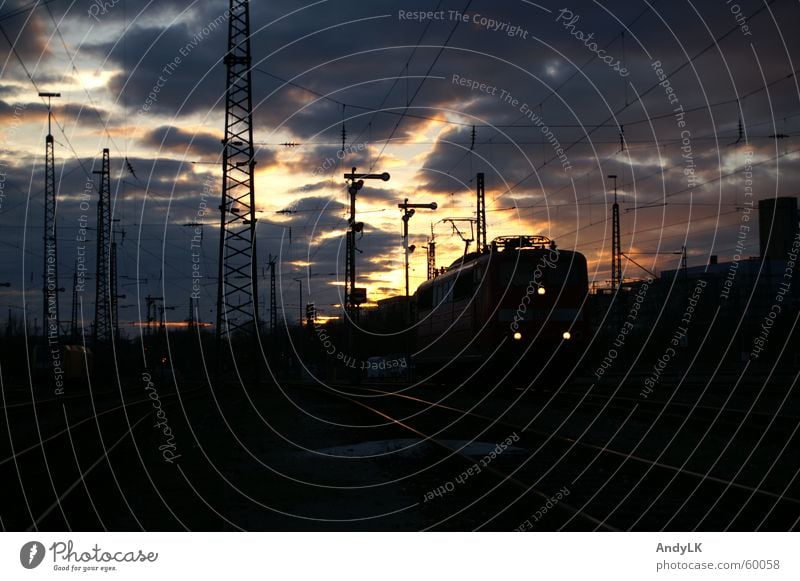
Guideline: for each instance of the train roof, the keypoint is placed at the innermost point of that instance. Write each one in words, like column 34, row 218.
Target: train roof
column 502, row 245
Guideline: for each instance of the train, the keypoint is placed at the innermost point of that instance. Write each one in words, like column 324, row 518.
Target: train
column 521, row 301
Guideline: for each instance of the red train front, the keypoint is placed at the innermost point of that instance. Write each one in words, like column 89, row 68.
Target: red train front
column 520, row 302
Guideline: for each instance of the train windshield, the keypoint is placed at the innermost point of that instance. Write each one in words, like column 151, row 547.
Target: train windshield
column 544, row 269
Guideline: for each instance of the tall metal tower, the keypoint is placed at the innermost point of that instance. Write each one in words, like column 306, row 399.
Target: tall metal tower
column 431, row 258
column 102, row 300
column 482, row 242
column 616, row 247
column 50, row 318
column 237, row 290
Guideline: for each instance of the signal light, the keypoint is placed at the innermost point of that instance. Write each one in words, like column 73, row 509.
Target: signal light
column 355, row 186
column 567, row 335
column 517, row 336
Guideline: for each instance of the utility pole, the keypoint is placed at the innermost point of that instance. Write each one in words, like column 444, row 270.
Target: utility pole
column 50, row 318
column 616, row 247
column 237, row 289
column 684, row 261
column 196, row 242
column 300, row 305
column 102, row 301
column 483, row 243
column 190, row 323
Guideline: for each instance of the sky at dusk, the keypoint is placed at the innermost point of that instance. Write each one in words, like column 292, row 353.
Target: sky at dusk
column 688, row 103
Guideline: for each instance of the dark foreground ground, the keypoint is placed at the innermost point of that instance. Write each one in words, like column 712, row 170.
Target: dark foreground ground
column 705, row 453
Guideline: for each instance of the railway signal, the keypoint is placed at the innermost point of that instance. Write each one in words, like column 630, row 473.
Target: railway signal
column 352, row 295
column 408, row 211
column 356, row 181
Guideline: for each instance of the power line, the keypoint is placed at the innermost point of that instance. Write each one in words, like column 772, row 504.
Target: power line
column 550, row 94
column 32, row 6
column 71, row 59
column 640, row 96
column 422, row 83
column 397, row 77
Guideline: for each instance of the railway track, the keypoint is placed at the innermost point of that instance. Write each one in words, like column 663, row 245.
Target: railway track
column 604, row 466
column 300, row 457
column 70, row 458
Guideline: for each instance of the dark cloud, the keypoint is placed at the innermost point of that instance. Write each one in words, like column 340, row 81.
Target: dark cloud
column 27, row 31
column 168, row 139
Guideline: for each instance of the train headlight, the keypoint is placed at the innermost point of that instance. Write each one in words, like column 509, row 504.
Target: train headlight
column 567, row 335
column 541, row 290
column 517, row 336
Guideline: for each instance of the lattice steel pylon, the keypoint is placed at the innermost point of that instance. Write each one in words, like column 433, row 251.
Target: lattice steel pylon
column 482, row 242
column 50, row 318
column 102, row 301
column 237, row 290
column 616, row 247
column 431, row 258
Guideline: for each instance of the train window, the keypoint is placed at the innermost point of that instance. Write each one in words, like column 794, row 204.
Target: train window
column 517, row 274
column 565, row 272
column 570, row 269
